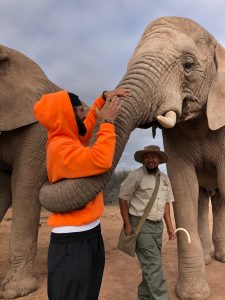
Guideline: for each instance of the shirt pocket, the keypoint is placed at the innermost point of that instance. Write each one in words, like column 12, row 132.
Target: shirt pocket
column 165, row 188
column 164, row 191
column 146, row 189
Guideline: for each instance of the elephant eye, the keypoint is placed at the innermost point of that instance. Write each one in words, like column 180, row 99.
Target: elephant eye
column 188, row 64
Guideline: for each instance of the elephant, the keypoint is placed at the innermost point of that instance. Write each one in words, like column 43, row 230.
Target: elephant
column 176, row 77
column 22, row 164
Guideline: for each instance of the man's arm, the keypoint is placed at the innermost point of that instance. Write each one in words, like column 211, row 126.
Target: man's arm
column 124, row 210
column 91, row 118
column 168, row 222
column 127, row 190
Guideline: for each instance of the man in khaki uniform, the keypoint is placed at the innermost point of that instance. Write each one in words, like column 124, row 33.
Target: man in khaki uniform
column 134, row 195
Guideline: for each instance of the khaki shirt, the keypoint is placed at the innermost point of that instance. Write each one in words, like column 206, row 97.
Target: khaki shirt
column 137, row 189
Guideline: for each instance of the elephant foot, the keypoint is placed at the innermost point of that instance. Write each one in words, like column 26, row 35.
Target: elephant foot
column 220, row 256
column 14, row 286
column 192, row 290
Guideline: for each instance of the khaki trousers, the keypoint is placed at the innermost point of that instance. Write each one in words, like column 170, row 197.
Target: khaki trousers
column 148, row 250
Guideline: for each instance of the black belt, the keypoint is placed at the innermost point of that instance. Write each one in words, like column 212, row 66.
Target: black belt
column 153, row 221
column 147, row 220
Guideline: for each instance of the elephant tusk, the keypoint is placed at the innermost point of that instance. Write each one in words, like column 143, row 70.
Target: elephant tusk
column 182, row 229
column 169, row 120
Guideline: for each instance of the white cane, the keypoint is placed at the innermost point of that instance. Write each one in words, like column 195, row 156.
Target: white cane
column 175, row 231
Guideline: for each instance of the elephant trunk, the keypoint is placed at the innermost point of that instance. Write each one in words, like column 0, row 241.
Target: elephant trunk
column 139, row 110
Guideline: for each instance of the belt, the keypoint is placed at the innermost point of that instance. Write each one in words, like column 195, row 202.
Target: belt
column 147, row 220
column 153, row 221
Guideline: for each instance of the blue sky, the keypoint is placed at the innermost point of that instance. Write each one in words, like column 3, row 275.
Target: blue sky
column 84, row 45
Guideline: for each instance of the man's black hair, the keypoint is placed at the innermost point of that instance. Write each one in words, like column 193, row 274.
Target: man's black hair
column 75, row 101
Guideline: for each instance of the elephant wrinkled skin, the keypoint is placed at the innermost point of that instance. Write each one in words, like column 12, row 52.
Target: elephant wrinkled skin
column 177, row 81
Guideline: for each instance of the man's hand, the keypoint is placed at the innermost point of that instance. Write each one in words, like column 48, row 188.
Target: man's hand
column 171, row 234
column 168, row 222
column 110, row 109
column 120, row 92
column 128, row 229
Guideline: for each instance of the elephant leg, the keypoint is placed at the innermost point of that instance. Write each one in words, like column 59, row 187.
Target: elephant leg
column 20, row 279
column 5, row 193
column 28, row 175
column 218, row 233
column 203, row 224
column 191, row 267
column 191, row 282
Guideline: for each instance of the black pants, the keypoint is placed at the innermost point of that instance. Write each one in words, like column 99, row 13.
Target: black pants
column 75, row 265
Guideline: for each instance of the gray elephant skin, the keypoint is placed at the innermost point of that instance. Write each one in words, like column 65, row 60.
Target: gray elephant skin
column 177, row 81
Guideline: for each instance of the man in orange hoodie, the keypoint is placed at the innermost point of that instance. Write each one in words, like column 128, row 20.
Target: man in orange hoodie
column 76, row 255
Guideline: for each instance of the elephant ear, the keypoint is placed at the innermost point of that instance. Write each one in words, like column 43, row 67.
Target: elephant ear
column 4, row 62
column 216, row 98
column 3, row 56
column 22, row 83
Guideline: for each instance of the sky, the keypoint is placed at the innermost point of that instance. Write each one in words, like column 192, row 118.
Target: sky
column 84, row 45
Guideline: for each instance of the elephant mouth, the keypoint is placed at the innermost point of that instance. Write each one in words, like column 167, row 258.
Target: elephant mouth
column 190, row 107
column 153, row 124
column 168, row 120
column 146, row 125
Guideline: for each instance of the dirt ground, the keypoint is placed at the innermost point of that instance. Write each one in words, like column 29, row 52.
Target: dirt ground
column 122, row 273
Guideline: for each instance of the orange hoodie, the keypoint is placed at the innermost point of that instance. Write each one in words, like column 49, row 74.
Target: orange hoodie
column 67, row 153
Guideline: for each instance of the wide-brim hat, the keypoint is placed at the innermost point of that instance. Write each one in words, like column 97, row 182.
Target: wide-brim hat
column 138, row 155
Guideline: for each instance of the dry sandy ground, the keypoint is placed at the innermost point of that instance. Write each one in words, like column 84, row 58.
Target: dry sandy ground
column 121, row 276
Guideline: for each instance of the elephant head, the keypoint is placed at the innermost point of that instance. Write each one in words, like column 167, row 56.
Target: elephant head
column 176, row 74
column 188, row 67
column 22, row 84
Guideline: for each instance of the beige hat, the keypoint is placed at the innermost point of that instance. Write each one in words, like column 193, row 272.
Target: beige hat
column 138, row 155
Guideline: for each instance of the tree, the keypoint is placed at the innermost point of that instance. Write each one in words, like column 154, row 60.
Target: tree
column 111, row 191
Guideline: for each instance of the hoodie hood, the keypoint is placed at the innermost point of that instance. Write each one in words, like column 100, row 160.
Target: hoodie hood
column 55, row 112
